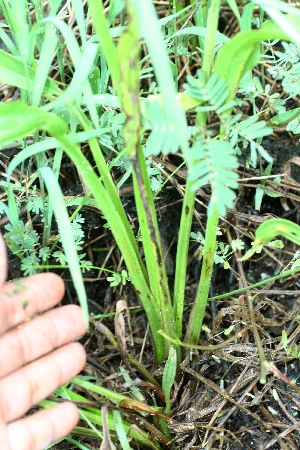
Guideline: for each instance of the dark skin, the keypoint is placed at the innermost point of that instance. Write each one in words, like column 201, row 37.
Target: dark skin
column 37, row 355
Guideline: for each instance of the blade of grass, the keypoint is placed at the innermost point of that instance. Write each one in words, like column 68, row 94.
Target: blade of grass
column 235, row 9
column 278, row 5
column 169, row 377
column 121, row 431
column 6, row 40
column 117, row 398
column 129, row 57
column 198, row 310
column 182, row 256
column 77, row 443
column 94, row 416
column 151, row 32
column 80, row 19
column 114, row 214
column 66, row 234
column 268, row 281
column 152, row 244
column 10, row 20
column 83, row 69
column 189, row 198
column 13, row 73
column 21, row 30
column 106, row 43
column 44, row 63
column 108, row 200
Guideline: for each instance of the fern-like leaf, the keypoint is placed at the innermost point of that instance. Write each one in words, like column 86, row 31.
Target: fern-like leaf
column 212, row 93
column 163, row 137
column 250, row 130
column 213, row 161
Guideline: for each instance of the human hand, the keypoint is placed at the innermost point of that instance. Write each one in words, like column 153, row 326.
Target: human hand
column 37, row 355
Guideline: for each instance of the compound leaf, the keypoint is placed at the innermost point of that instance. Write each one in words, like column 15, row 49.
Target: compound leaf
column 213, row 162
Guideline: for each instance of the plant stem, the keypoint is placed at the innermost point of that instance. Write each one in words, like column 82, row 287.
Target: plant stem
column 255, row 285
column 197, row 314
column 189, row 198
column 156, row 269
column 111, row 207
column 212, row 28
column 210, row 348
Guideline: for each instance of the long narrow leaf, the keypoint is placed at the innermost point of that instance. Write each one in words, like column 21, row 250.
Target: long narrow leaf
column 45, row 61
column 66, row 235
column 14, row 73
column 151, row 32
column 243, row 51
column 106, row 43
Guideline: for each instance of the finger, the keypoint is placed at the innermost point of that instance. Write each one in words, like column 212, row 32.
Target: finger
column 23, row 298
column 3, row 261
column 29, row 385
column 38, row 431
column 36, row 338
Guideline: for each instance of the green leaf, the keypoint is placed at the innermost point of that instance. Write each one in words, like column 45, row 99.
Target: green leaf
column 260, row 192
column 80, row 19
column 271, row 228
column 288, row 23
column 169, row 376
column 235, row 9
column 284, row 118
column 247, row 15
column 120, row 429
column 278, row 244
column 66, row 235
column 83, row 68
column 14, row 73
column 251, row 129
column 107, row 44
column 212, row 93
column 47, row 54
column 213, row 161
column 201, row 32
column 18, row 120
column 242, row 52
column 162, row 138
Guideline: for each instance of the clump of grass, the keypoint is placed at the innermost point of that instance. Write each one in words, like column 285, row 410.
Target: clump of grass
column 105, row 71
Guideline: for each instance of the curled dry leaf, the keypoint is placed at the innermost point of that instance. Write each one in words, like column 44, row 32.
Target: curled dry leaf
column 120, row 327
column 287, row 168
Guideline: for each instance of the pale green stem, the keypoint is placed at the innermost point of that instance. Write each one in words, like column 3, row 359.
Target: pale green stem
column 158, row 280
column 189, row 198
column 111, row 207
column 182, row 255
column 288, row 273
column 212, row 28
column 197, row 314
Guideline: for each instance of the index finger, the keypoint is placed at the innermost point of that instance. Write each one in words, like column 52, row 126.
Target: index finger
column 23, row 298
